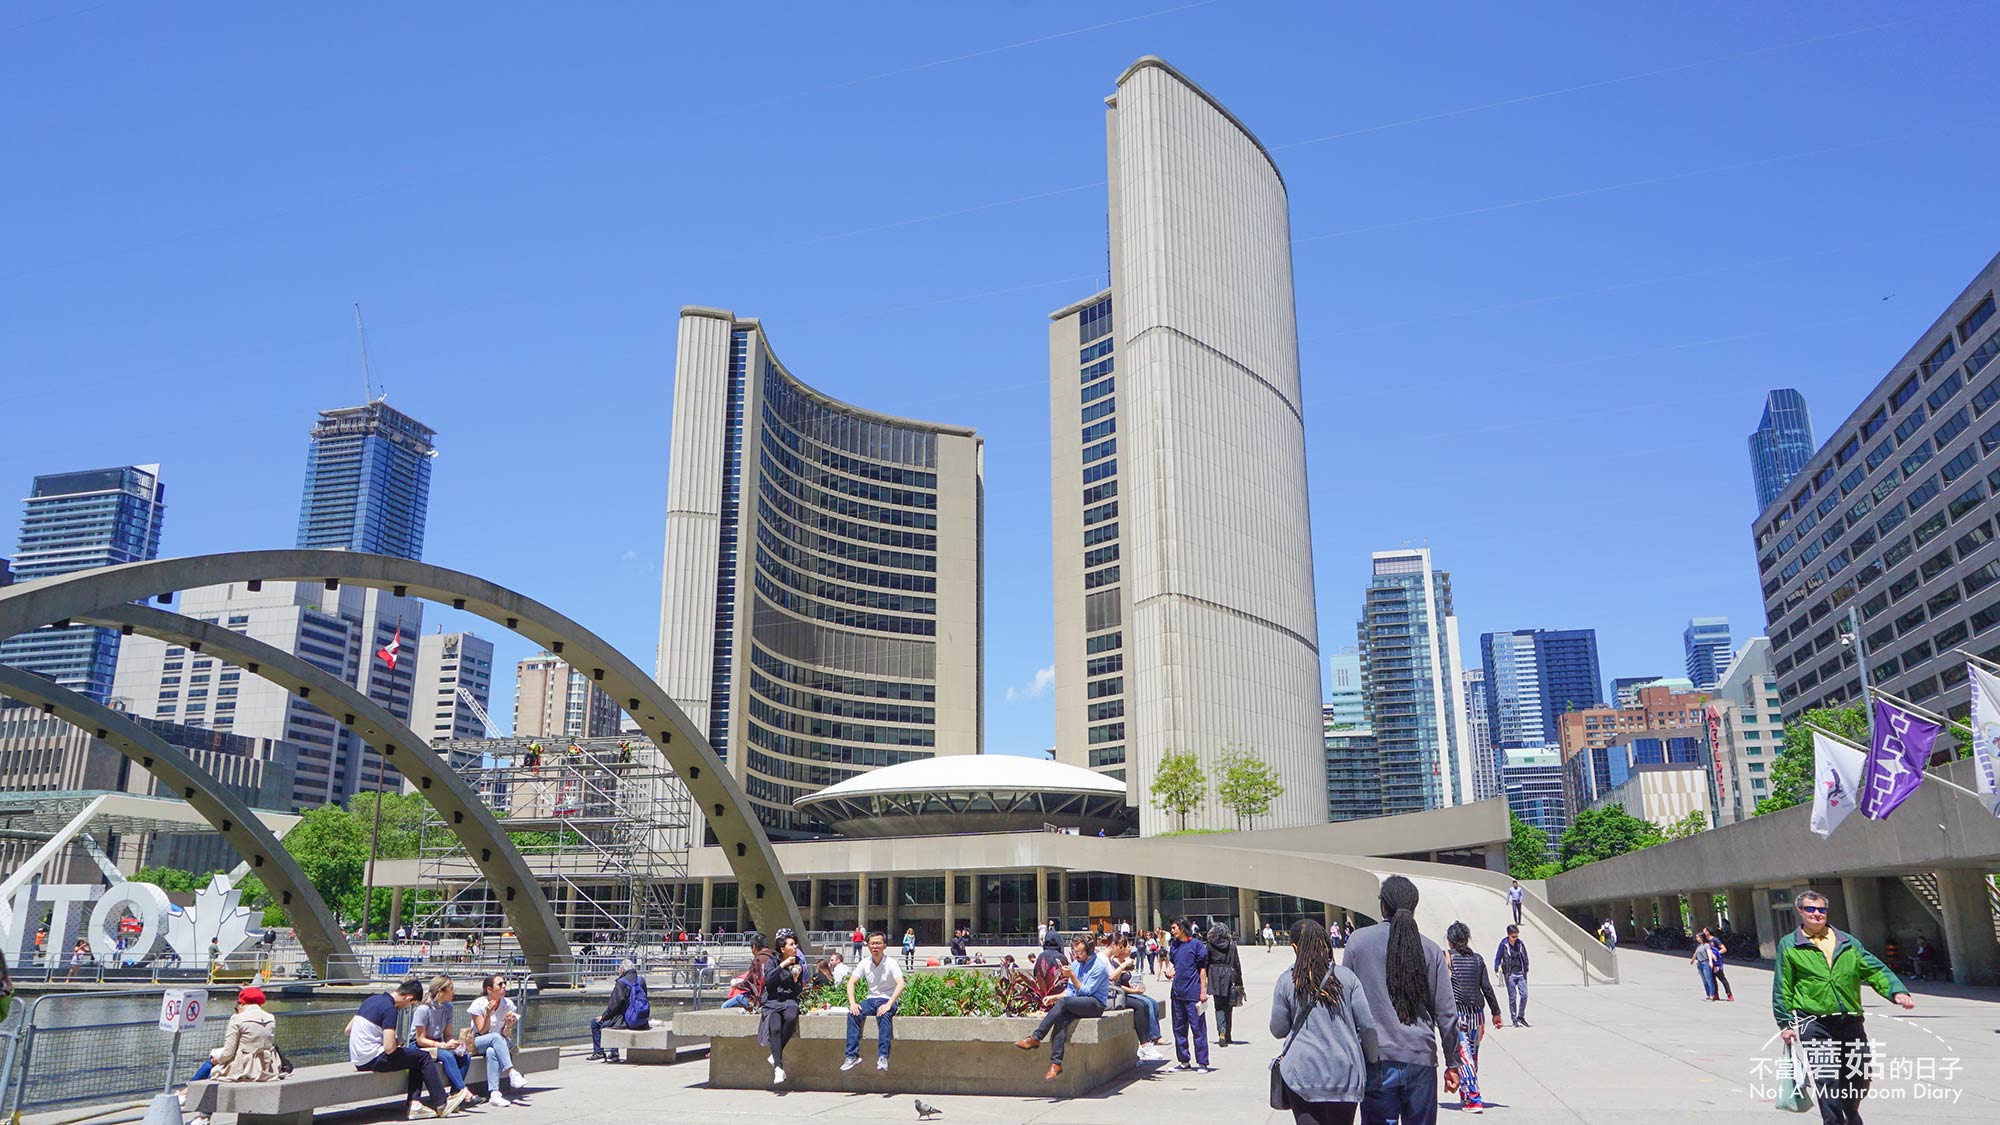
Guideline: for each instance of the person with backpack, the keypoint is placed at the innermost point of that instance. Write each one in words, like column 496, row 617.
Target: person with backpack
column 779, row 1021
column 1405, row 976
column 1472, row 991
column 1225, row 981
column 630, row 1009
column 1321, row 1012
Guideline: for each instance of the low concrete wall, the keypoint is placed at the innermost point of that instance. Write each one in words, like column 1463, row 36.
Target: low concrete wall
column 655, row 1045
column 294, row 1100
column 931, row 1055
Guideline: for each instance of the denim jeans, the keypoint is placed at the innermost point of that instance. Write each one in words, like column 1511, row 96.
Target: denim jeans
column 1400, row 1094
column 453, row 1065
column 1145, row 1016
column 1707, row 978
column 499, row 1058
column 877, row 1006
column 739, row 1001
column 1517, row 996
column 201, row 1072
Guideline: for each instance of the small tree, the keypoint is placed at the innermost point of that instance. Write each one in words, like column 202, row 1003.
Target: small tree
column 1179, row 787
column 1695, row 821
column 1603, row 833
column 1248, row 786
column 1527, row 848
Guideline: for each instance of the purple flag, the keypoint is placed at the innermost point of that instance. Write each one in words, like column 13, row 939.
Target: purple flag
column 1897, row 754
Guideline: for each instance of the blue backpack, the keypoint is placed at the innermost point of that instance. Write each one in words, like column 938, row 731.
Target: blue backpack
column 638, row 1008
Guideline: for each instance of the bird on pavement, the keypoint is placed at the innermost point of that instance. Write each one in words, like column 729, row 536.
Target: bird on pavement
column 926, row 1112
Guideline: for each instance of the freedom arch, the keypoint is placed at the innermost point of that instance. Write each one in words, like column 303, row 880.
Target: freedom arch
column 104, row 596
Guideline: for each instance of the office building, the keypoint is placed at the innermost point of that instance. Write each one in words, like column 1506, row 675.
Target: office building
column 1353, row 771
column 76, row 521
column 1479, row 734
column 1591, row 775
column 1659, row 707
column 1345, row 701
column 447, row 663
column 1533, row 780
column 1781, row 445
column 1533, row 678
column 553, row 699
column 1706, row 644
column 1625, row 689
column 820, row 611
column 1187, row 365
column 1411, row 670
column 368, row 482
column 1664, row 793
column 1746, row 731
column 1891, row 524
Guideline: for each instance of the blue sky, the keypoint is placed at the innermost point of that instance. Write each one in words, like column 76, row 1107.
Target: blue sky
column 1550, row 258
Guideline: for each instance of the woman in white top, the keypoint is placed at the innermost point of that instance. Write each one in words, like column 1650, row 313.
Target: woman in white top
column 493, row 1019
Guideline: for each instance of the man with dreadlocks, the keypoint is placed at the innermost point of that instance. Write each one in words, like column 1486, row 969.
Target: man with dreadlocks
column 1405, row 974
column 1321, row 1011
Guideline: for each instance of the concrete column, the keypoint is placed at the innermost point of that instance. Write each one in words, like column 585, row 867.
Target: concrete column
column 1863, row 917
column 890, row 904
column 1327, row 909
column 1768, row 928
column 707, row 906
column 1968, row 926
column 1743, row 910
column 1142, row 903
column 812, row 903
column 395, row 908
column 1246, row 912
column 972, row 908
column 1836, row 899
column 950, row 905
column 1638, row 914
column 1669, row 910
column 1041, row 896
column 1701, row 911
column 1062, row 896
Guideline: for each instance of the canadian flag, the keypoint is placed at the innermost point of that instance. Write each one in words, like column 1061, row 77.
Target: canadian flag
column 388, row 652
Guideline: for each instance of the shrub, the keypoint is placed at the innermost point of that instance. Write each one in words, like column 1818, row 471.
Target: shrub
column 954, row 992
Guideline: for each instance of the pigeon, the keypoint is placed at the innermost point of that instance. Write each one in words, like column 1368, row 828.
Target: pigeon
column 926, row 1112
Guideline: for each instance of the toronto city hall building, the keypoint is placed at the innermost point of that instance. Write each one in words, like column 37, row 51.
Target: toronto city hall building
column 1186, row 373
column 820, row 610
column 1892, row 523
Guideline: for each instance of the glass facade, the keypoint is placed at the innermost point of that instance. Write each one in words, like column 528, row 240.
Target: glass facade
column 1353, row 771
column 368, row 482
column 1534, row 677
column 1781, row 445
column 1533, row 780
column 1104, row 639
column 1409, row 673
column 1706, row 644
column 76, row 521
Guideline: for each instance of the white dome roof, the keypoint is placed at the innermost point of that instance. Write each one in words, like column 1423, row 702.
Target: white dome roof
column 987, row 772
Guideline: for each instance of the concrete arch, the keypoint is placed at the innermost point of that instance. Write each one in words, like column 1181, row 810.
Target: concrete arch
column 506, row 872
column 318, row 933
column 748, row 850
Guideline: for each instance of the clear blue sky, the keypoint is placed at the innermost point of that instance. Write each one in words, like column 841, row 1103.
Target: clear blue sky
column 1550, row 259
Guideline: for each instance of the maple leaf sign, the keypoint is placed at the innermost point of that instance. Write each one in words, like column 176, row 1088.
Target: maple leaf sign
column 215, row 914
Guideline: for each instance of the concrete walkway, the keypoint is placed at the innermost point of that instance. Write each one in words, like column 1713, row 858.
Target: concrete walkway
column 1645, row 1050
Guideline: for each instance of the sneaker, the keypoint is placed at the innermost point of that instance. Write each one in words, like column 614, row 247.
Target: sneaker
column 514, row 1076
column 777, row 1076
column 475, row 1101
column 455, row 1102
column 850, row 1062
column 594, row 1056
column 1475, row 1109
column 420, row 1112
column 198, row 1119
column 1524, row 1022
column 498, row 1100
column 882, row 1064
column 612, row 1057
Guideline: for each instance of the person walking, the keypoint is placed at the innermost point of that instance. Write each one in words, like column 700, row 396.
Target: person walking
column 1270, row 939
column 1082, row 999
column 1405, row 976
column 881, row 980
column 630, row 1008
column 859, row 941
column 1816, row 999
column 1225, row 982
column 1703, row 964
column 1716, row 967
column 1515, row 896
column 910, row 950
column 1472, row 992
column 1321, row 1011
column 778, row 1020
column 1187, row 968
column 1511, row 962
column 1608, row 934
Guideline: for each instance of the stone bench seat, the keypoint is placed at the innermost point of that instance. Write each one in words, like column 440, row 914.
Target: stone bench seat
column 657, row 1044
column 930, row 1055
column 293, row 1100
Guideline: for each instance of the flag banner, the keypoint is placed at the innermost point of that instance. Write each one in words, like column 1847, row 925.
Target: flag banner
column 388, row 652
column 1898, row 751
column 1836, row 778
column 1986, row 736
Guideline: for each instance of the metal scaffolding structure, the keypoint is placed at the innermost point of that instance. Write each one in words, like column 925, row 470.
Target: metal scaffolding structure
column 605, row 824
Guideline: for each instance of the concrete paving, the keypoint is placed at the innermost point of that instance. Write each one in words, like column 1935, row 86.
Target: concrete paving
column 1645, row 1050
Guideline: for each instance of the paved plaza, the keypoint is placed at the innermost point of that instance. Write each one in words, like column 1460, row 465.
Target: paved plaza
column 1646, row 1050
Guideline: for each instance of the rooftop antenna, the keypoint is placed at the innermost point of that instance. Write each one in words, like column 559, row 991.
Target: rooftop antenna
column 367, row 378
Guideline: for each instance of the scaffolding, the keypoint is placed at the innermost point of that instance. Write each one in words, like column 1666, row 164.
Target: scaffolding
column 603, row 822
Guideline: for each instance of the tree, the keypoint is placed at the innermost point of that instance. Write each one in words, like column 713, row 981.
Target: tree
column 1791, row 775
column 1603, row 833
column 1248, row 786
column 170, row 878
column 1695, row 821
column 1179, row 787
column 402, row 818
column 1527, row 848
column 331, row 847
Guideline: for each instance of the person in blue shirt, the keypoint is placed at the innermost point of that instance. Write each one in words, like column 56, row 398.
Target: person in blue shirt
column 1187, row 967
column 1089, row 988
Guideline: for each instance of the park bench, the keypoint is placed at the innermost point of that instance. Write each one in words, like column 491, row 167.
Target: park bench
column 293, row 1100
column 658, row 1044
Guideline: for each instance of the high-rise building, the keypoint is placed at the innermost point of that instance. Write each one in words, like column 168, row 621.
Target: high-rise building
column 1591, row 777
column 1345, row 701
column 1411, row 665
column 1746, row 730
column 821, row 607
column 1533, row 780
column 368, row 482
column 1706, row 643
column 447, row 662
column 1479, row 734
column 1781, row 445
column 1891, row 524
column 553, row 699
column 75, row 521
column 1625, row 689
column 1353, row 771
column 1534, row 677
column 1157, row 633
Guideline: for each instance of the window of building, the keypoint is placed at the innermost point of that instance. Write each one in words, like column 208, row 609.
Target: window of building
column 1976, row 319
column 1953, row 426
column 1957, row 466
column 1874, row 424
column 1944, row 392
column 1880, row 454
column 1932, row 527
column 1908, row 427
column 1103, row 469
column 1942, row 600
column 1939, row 356
column 1887, row 484
column 1917, row 459
column 1980, row 535
column 1909, row 621
column 1101, row 450
column 1965, row 502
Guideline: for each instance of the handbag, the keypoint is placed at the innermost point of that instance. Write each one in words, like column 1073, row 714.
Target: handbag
column 1281, row 1094
column 1794, row 1080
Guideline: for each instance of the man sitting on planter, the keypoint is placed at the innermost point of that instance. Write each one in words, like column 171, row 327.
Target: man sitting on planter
column 1089, row 985
column 881, row 978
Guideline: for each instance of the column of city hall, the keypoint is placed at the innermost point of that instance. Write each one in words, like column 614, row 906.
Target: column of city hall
column 1966, row 904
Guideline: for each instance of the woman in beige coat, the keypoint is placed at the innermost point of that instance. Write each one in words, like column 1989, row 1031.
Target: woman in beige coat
column 249, row 1051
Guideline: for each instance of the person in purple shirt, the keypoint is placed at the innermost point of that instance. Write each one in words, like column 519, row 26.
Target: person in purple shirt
column 1187, row 967
column 1089, row 988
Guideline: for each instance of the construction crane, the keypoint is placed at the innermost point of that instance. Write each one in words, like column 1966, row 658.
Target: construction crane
column 478, row 711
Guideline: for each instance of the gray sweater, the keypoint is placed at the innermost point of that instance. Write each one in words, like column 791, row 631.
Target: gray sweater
column 1328, row 1060
column 1368, row 955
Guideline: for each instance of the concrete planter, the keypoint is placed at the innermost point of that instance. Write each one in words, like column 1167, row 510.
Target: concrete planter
column 931, row 1055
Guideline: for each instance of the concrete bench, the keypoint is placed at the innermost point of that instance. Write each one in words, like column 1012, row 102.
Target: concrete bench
column 657, row 1044
column 931, row 1055
column 292, row 1101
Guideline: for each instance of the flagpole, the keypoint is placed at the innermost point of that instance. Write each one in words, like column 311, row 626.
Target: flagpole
column 1976, row 658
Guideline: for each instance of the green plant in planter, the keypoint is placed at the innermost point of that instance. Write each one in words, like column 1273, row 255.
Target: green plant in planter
column 954, row 992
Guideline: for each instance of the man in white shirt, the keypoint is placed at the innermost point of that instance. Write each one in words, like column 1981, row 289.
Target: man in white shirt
column 881, row 979
column 1515, row 894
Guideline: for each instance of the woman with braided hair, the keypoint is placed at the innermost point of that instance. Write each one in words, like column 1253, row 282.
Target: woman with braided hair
column 1405, row 975
column 1320, row 1011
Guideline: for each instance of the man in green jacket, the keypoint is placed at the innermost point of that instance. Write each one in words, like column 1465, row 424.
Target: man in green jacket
column 1816, row 999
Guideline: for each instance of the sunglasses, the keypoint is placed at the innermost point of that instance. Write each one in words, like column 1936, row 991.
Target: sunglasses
column 1812, row 909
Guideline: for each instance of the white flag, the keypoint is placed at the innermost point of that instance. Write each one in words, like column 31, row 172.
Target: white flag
column 1836, row 782
column 1986, row 736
